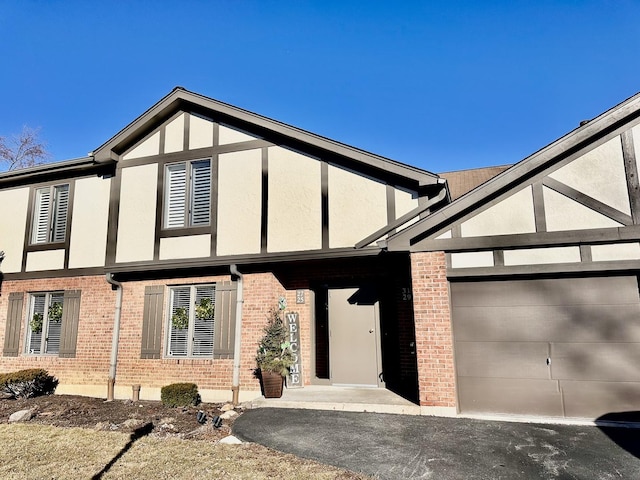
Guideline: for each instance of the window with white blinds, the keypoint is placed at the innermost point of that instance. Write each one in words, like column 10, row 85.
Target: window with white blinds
column 44, row 324
column 51, row 207
column 187, row 194
column 191, row 321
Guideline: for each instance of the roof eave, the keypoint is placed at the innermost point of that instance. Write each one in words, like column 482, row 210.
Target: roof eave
column 67, row 167
column 179, row 96
column 573, row 141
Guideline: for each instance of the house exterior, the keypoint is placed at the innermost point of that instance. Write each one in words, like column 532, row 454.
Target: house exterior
column 157, row 259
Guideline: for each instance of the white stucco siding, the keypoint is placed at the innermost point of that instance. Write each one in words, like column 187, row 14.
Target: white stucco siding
column 563, row 214
column 539, row 256
column 510, row 216
column 174, row 135
column 620, row 251
column 239, row 202
column 137, row 217
column 599, row 174
column 472, row 259
column 150, row 146
column 89, row 223
column 357, row 207
column 406, row 200
column 194, row 246
column 45, row 260
column 228, row 135
column 295, row 202
column 200, row 132
column 13, row 220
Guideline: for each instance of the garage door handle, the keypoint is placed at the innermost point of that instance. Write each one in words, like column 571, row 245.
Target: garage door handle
column 371, row 330
column 548, row 360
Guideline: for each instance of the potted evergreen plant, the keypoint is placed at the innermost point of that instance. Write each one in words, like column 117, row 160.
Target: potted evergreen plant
column 274, row 356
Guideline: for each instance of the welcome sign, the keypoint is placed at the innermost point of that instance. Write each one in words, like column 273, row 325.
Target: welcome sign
column 295, row 372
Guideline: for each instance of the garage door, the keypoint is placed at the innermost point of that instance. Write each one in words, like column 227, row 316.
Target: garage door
column 559, row 347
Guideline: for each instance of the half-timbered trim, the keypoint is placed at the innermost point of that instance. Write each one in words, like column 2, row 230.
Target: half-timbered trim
column 631, row 169
column 538, row 207
column 324, row 189
column 587, row 201
column 264, row 216
column 526, row 240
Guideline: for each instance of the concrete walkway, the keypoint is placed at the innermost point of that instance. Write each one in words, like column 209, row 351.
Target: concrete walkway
column 420, row 447
column 349, row 399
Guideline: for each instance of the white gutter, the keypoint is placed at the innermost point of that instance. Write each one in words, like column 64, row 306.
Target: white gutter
column 235, row 384
column 115, row 338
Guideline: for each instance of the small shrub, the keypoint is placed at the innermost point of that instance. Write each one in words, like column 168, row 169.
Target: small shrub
column 28, row 383
column 180, row 395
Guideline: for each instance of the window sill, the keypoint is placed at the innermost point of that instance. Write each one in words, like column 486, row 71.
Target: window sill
column 38, row 247
column 185, row 231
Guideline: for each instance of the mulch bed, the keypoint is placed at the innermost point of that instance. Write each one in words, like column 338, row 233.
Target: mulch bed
column 121, row 415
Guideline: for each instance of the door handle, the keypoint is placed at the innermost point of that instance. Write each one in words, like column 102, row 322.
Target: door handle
column 371, row 330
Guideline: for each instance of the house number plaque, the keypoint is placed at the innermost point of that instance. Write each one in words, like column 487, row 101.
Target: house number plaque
column 294, row 379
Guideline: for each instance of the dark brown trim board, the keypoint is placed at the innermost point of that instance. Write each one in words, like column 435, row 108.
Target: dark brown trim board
column 631, row 170
column 527, row 240
column 264, row 216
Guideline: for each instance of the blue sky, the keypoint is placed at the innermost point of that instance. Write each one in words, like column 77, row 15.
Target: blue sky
column 440, row 85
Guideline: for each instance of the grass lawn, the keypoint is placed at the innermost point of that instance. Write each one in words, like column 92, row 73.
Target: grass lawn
column 46, row 452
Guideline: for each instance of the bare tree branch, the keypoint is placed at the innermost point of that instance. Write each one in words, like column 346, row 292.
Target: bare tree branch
column 22, row 150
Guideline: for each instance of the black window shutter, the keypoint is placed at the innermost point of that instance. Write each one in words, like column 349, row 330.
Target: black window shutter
column 225, row 319
column 152, row 322
column 70, row 318
column 14, row 320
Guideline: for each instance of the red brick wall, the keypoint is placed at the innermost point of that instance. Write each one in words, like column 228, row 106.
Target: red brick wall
column 434, row 342
column 95, row 327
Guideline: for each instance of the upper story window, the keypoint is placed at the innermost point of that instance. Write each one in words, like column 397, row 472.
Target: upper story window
column 45, row 323
column 50, row 214
column 187, row 194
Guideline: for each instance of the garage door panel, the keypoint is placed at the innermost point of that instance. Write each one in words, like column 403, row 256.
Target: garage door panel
column 571, row 323
column 594, row 399
column 596, row 361
column 502, row 359
column 588, row 327
column 514, row 396
column 574, row 291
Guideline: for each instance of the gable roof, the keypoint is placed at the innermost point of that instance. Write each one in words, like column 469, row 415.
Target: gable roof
column 463, row 181
column 611, row 122
column 182, row 99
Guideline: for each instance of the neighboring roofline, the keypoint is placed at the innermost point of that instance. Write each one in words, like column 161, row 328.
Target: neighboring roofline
column 506, row 165
column 179, row 96
column 575, row 140
column 71, row 167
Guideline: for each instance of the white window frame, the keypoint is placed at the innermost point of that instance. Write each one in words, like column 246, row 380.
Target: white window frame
column 43, row 344
column 193, row 346
column 187, row 196
column 50, row 214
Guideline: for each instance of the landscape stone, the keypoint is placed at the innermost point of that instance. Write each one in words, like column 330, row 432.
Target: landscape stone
column 230, row 440
column 229, row 414
column 21, row 416
column 226, row 407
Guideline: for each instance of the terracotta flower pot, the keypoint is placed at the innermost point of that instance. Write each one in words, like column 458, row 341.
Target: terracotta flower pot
column 271, row 384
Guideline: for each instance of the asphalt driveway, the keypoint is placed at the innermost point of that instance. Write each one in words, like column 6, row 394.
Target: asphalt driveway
column 402, row 446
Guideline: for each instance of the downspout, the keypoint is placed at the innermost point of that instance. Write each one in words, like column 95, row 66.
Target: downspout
column 116, row 335
column 235, row 385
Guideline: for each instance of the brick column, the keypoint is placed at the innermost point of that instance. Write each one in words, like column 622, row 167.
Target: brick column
column 434, row 342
